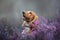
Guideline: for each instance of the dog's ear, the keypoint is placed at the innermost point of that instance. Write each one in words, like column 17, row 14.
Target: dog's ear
column 23, row 15
column 23, row 12
column 30, row 13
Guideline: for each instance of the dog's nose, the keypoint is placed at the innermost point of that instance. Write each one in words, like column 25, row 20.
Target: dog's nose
column 23, row 12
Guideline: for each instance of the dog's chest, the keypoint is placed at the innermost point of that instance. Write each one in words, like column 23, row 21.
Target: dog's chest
column 27, row 24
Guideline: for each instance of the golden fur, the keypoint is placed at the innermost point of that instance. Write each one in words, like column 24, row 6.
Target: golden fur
column 29, row 17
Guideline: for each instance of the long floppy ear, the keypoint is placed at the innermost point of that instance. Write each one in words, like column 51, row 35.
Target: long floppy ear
column 35, row 18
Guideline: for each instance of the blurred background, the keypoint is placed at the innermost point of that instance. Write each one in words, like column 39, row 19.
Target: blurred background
column 11, row 12
column 13, row 8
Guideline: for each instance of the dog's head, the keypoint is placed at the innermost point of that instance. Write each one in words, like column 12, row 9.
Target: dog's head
column 29, row 15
